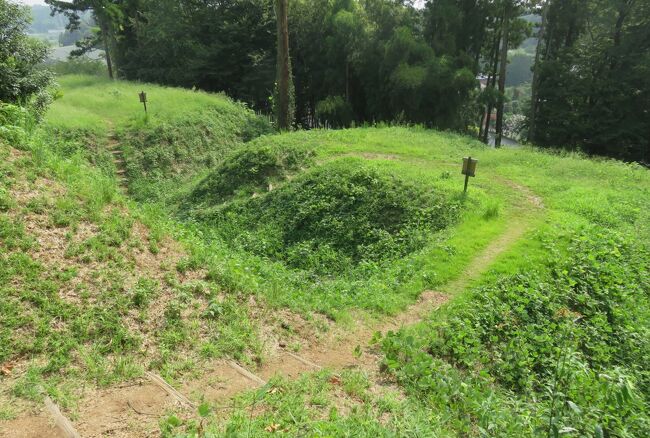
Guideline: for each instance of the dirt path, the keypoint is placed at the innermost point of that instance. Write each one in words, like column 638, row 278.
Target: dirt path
column 133, row 410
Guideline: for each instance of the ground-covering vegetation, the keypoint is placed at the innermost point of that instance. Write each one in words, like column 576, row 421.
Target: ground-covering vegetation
column 188, row 237
column 333, row 218
column 100, row 287
column 91, row 288
column 552, row 350
column 552, row 341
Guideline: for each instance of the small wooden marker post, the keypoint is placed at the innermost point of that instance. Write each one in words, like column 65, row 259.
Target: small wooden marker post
column 143, row 99
column 469, row 169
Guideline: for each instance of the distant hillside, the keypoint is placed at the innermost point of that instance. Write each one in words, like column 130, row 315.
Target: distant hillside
column 43, row 21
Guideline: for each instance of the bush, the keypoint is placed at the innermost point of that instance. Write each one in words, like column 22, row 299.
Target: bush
column 334, row 111
column 80, row 66
column 20, row 57
column 14, row 121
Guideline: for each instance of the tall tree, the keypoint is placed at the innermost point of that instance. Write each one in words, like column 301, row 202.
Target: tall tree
column 284, row 112
column 593, row 88
column 108, row 16
column 490, row 96
column 535, row 84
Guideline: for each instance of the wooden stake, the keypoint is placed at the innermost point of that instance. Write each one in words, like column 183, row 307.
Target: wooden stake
column 169, row 389
column 244, row 372
column 61, row 422
column 305, row 361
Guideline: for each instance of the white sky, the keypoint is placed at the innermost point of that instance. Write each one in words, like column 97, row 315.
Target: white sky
column 31, row 2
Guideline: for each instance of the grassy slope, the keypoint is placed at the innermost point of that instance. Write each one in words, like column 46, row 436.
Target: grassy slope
column 581, row 197
column 99, row 104
column 90, row 285
column 576, row 193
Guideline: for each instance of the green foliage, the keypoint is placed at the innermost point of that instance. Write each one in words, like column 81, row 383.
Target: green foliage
column 183, row 133
column 334, row 217
column 573, row 335
column 310, row 405
column 248, row 170
column 598, row 52
column 85, row 309
column 336, row 49
column 14, row 122
column 168, row 150
column 79, row 66
column 335, row 112
column 20, row 77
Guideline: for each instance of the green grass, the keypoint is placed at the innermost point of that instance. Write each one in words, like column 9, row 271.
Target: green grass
column 199, row 171
column 84, row 298
column 100, row 104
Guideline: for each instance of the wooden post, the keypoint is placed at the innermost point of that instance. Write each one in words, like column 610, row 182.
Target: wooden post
column 469, row 169
column 143, row 99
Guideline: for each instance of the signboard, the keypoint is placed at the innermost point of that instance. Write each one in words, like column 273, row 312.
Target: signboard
column 469, row 166
column 469, row 169
column 143, row 99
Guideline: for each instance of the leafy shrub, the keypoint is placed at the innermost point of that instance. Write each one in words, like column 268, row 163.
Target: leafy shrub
column 80, row 65
column 575, row 337
column 13, row 115
column 333, row 217
column 248, row 170
column 20, row 56
column 335, row 111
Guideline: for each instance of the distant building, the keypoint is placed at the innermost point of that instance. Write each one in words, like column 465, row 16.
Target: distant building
column 482, row 80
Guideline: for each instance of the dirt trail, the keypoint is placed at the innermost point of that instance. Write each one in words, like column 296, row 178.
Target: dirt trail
column 134, row 410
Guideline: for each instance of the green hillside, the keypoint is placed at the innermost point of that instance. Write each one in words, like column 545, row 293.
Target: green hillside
column 172, row 241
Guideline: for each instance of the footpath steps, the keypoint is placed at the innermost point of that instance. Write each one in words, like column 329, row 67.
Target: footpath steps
column 136, row 409
column 115, row 149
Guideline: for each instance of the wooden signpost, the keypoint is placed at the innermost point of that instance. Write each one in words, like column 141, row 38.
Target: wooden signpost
column 143, row 99
column 469, row 169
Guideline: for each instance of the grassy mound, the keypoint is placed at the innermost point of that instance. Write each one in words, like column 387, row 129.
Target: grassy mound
column 333, row 217
column 248, row 170
column 183, row 133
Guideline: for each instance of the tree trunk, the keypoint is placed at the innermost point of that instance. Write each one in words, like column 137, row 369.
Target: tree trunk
column 347, row 81
column 535, row 84
column 623, row 11
column 283, row 66
column 503, row 62
column 107, row 48
column 495, row 63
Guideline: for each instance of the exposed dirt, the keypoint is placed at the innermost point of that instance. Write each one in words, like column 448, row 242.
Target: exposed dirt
column 134, row 410
column 123, row 411
column 31, row 426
